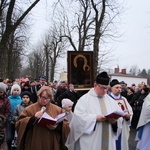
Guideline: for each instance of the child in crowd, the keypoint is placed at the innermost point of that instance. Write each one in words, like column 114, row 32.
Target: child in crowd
column 26, row 101
column 15, row 99
column 67, row 106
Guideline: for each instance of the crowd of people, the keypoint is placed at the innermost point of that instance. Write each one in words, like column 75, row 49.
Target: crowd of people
column 22, row 102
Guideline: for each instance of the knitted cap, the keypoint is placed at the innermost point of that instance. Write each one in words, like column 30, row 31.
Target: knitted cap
column 26, row 93
column 3, row 86
column 66, row 102
column 15, row 86
column 114, row 82
column 102, row 78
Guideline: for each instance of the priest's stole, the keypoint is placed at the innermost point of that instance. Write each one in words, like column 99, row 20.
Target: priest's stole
column 105, row 128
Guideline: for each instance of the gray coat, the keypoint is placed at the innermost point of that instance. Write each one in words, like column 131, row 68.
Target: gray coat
column 18, row 111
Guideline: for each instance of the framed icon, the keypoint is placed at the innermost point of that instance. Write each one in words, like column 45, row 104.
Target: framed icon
column 80, row 69
column 122, row 104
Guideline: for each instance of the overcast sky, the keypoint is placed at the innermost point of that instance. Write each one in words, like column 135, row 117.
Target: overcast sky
column 133, row 47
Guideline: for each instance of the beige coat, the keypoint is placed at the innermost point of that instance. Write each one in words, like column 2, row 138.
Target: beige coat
column 37, row 137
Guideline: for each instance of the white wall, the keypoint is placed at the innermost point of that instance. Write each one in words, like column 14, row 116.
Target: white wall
column 129, row 80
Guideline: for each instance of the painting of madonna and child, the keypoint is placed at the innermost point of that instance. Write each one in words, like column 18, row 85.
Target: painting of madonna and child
column 80, row 69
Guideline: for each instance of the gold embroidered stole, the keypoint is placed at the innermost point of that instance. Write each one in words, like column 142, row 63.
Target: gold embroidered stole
column 105, row 128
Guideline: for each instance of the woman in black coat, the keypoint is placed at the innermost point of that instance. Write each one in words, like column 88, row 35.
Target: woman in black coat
column 137, row 107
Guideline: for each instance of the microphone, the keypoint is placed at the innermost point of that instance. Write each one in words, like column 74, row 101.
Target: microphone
column 42, row 110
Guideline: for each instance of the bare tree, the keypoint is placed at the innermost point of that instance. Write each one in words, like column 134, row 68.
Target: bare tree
column 10, row 21
column 54, row 47
column 79, row 34
column 43, row 60
column 36, row 62
column 134, row 70
column 105, row 58
column 143, row 73
column 93, row 24
column 11, row 26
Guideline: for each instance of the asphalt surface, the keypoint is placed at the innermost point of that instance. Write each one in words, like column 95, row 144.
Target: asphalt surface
column 132, row 142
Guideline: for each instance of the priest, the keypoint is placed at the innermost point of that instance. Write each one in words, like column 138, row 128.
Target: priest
column 122, row 142
column 90, row 129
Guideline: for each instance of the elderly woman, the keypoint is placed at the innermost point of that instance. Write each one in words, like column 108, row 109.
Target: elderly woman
column 33, row 136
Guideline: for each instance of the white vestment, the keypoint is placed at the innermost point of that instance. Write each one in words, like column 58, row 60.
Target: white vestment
column 144, row 121
column 125, row 124
column 84, row 135
column 126, row 128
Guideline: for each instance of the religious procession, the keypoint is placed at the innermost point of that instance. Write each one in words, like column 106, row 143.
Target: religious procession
column 100, row 118
column 88, row 107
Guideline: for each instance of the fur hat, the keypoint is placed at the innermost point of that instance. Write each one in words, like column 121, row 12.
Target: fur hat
column 26, row 93
column 114, row 82
column 3, row 86
column 102, row 78
column 42, row 77
column 66, row 102
column 15, row 86
column 122, row 83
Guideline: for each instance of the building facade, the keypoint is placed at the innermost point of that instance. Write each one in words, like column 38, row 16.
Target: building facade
column 127, row 78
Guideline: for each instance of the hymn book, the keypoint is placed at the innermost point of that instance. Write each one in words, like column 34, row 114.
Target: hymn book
column 116, row 114
column 48, row 120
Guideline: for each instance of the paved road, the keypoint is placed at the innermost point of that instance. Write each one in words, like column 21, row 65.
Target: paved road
column 132, row 142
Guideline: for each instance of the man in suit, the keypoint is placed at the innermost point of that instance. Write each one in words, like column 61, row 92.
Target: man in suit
column 41, row 81
column 60, row 90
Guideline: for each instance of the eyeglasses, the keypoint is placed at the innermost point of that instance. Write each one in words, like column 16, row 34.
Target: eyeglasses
column 43, row 98
column 102, row 87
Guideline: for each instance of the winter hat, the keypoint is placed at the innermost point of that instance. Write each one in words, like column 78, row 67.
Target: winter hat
column 42, row 77
column 114, row 82
column 15, row 86
column 66, row 102
column 26, row 93
column 3, row 86
column 122, row 83
column 37, row 79
column 102, row 78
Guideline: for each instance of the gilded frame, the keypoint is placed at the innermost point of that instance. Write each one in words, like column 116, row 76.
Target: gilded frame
column 80, row 69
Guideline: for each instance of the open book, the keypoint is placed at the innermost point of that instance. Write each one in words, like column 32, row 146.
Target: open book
column 116, row 114
column 47, row 119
